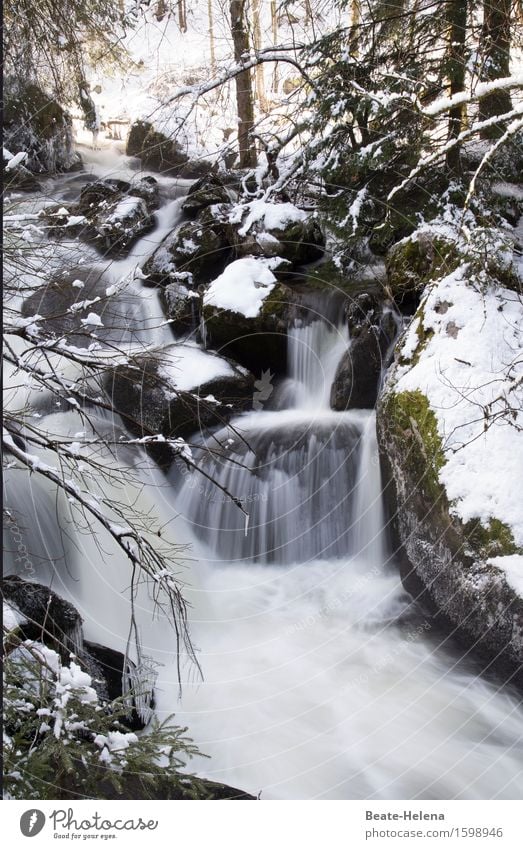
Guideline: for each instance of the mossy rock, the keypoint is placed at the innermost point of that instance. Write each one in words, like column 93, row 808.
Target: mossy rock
column 414, row 262
column 195, row 248
column 329, row 279
column 409, row 415
column 448, row 557
column 258, row 343
column 300, row 242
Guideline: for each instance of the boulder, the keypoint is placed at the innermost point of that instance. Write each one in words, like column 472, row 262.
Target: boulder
column 112, row 214
column 112, row 190
column 181, row 306
column 247, row 312
column 196, row 247
column 301, row 242
column 48, row 618
column 160, row 153
column 178, row 391
column 449, row 559
column 414, row 262
column 38, row 125
column 205, row 192
column 358, row 374
column 359, row 371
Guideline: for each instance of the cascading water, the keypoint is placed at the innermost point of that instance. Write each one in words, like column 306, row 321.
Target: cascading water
column 321, row 678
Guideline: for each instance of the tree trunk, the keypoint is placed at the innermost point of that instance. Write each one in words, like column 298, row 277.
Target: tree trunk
column 260, row 75
column 354, row 26
column 495, row 49
column 274, row 27
column 244, row 98
column 211, row 35
column 182, row 15
column 457, row 30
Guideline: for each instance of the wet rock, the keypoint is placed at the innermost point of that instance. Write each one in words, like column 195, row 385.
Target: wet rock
column 372, row 330
column 181, row 306
column 258, row 343
column 48, row 618
column 358, row 374
column 163, row 394
column 117, row 669
column 197, row 248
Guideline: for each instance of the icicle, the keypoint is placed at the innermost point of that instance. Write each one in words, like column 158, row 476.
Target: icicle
column 246, row 530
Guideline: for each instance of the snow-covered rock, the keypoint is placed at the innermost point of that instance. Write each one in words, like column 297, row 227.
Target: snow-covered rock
column 450, row 425
column 247, row 312
column 177, row 391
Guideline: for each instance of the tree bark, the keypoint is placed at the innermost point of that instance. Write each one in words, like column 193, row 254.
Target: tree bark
column 260, row 74
column 274, row 27
column 495, row 49
column 182, row 15
column 244, row 96
column 211, row 35
column 457, row 30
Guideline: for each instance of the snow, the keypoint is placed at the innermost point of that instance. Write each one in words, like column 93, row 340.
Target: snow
column 243, row 286
column 187, row 367
column 275, row 216
column 512, row 566
column 508, row 190
column 74, row 220
column 92, row 320
column 470, row 362
column 16, row 160
column 11, row 617
column 126, row 209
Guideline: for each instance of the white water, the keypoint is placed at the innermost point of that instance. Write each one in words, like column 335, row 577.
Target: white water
column 320, row 679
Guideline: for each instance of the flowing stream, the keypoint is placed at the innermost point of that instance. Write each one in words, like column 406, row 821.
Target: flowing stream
column 321, row 677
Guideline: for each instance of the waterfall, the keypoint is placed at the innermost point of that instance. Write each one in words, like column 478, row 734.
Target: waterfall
column 322, row 679
column 314, row 351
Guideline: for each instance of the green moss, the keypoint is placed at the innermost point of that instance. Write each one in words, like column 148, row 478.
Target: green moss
column 414, row 263
column 327, row 277
column 415, row 429
column 494, row 540
column 424, row 335
column 276, row 304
